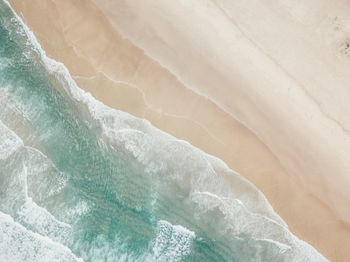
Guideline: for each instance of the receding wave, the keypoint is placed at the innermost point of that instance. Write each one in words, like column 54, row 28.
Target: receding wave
column 80, row 180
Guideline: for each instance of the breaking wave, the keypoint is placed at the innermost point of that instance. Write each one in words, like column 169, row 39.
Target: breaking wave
column 80, row 180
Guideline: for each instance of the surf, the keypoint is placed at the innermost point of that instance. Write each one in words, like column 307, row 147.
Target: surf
column 99, row 184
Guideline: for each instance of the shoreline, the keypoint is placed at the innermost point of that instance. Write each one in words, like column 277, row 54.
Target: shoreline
column 288, row 100
column 127, row 79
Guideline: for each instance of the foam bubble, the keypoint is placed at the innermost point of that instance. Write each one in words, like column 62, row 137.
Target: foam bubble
column 9, row 142
column 173, row 242
column 23, row 164
column 19, row 244
column 39, row 220
column 209, row 187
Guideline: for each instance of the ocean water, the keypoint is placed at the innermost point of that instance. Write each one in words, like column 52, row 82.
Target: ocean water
column 80, row 181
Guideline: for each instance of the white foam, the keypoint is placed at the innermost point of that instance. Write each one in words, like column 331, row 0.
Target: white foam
column 9, row 142
column 173, row 242
column 39, row 220
column 19, row 244
column 102, row 249
column 80, row 209
column 141, row 137
column 43, row 178
column 14, row 186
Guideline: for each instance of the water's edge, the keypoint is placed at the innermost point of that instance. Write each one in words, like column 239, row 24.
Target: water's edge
column 103, row 165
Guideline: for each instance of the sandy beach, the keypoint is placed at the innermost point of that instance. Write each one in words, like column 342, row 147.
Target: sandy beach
column 264, row 90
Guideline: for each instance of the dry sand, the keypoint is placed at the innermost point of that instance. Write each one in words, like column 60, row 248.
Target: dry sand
column 273, row 113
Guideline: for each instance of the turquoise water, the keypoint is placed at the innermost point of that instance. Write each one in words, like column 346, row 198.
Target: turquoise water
column 79, row 180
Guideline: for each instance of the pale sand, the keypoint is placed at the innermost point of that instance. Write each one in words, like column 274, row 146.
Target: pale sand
column 118, row 73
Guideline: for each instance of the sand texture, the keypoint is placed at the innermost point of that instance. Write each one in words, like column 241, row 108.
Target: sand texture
column 263, row 85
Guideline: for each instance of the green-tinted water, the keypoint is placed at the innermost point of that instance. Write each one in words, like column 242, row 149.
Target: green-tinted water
column 110, row 187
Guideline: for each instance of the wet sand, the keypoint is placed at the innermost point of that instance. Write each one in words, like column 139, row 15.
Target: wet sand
column 258, row 132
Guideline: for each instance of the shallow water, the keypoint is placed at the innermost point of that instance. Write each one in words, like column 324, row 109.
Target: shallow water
column 79, row 180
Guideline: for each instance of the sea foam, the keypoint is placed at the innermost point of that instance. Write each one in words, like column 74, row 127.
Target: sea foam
column 214, row 199
column 20, row 244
